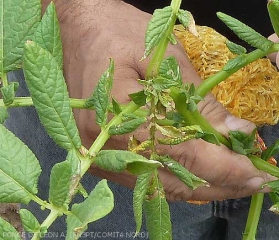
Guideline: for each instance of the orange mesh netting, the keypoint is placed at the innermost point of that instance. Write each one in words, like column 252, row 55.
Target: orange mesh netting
column 251, row 93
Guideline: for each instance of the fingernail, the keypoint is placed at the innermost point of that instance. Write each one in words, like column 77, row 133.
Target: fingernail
column 255, row 183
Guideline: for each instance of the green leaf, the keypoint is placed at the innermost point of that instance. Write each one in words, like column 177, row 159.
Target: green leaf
column 235, row 48
column 157, row 28
column 8, row 232
column 48, row 34
column 234, row 63
column 139, row 195
column 274, row 197
column 273, row 185
column 273, row 11
column 116, row 107
column 18, row 22
column 157, row 214
column 60, row 181
column 29, row 221
column 49, row 93
column 19, row 169
column 169, row 70
column 120, row 160
column 246, row 33
column 126, row 127
column 243, row 143
column 185, row 18
column 209, row 137
column 99, row 203
column 183, row 174
column 138, row 98
column 271, row 151
column 101, row 95
column 8, row 93
column 3, row 114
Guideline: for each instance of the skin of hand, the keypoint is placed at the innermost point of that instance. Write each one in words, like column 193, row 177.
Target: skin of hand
column 95, row 31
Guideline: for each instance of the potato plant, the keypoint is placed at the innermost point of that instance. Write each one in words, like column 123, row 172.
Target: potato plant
column 34, row 44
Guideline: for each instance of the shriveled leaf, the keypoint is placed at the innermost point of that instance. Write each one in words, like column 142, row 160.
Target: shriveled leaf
column 60, row 181
column 29, row 221
column 3, row 114
column 243, row 143
column 116, row 106
column 235, row 48
column 8, row 93
column 157, row 28
column 138, row 98
column 271, row 151
column 187, row 20
column 275, row 208
column 157, row 214
column 101, row 95
column 99, row 203
column 120, row 160
column 49, row 93
column 19, row 169
column 8, row 232
column 183, row 174
column 126, row 127
column 19, row 20
column 139, row 195
column 48, row 34
column 246, row 33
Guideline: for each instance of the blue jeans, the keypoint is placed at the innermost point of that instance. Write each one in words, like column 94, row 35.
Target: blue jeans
column 214, row 221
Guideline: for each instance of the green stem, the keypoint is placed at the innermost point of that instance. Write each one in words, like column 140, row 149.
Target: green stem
column 264, row 166
column 4, row 79
column 194, row 117
column 207, row 85
column 47, row 222
column 104, row 136
column 253, row 217
column 160, row 50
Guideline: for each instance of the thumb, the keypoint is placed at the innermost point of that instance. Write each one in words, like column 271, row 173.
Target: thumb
column 221, row 119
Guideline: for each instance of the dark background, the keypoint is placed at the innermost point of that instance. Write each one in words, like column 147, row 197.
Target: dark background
column 251, row 12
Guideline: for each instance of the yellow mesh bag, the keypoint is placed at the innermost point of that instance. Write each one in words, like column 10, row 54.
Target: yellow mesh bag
column 251, row 93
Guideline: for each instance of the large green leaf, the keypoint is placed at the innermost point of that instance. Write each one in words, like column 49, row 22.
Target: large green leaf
column 119, row 160
column 157, row 28
column 19, row 169
column 8, row 232
column 50, row 96
column 18, row 22
column 99, row 203
column 29, row 221
column 48, row 34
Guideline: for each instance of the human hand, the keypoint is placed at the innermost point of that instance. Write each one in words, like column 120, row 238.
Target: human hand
column 93, row 32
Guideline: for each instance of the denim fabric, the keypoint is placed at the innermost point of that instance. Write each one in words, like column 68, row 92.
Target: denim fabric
column 190, row 222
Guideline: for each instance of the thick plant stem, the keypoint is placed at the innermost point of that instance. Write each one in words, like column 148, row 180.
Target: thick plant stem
column 253, row 217
column 264, row 166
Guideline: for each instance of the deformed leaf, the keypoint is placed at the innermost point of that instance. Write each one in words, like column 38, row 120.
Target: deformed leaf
column 246, row 33
column 235, row 48
column 183, row 174
column 101, row 95
column 29, row 221
column 275, row 208
column 3, row 114
column 138, row 98
column 139, row 195
column 157, row 28
column 126, row 127
column 99, row 203
column 8, row 232
column 19, row 169
column 187, row 20
column 19, row 19
column 8, row 93
column 60, row 181
column 48, row 34
column 120, row 160
column 49, row 93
